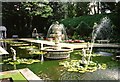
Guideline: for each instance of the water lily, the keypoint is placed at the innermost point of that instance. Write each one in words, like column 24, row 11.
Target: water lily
column 77, row 66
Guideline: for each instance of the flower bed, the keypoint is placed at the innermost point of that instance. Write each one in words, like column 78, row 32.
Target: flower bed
column 74, row 41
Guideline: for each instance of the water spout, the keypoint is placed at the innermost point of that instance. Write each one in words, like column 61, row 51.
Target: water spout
column 42, row 58
column 57, row 31
column 98, row 30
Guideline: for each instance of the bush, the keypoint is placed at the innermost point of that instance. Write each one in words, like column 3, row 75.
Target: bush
column 83, row 25
column 90, row 20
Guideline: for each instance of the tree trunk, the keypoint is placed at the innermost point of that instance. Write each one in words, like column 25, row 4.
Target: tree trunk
column 31, row 18
column 98, row 7
column 94, row 9
column 66, row 12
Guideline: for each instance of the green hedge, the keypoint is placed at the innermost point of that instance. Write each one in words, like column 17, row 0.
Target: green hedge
column 89, row 19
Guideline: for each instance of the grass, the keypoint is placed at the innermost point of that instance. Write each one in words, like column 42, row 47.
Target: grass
column 15, row 76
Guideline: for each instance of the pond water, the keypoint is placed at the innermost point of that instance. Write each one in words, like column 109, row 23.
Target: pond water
column 50, row 69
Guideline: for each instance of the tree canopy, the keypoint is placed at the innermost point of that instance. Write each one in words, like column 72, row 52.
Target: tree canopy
column 28, row 15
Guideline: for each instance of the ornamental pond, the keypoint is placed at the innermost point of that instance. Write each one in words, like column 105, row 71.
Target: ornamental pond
column 49, row 69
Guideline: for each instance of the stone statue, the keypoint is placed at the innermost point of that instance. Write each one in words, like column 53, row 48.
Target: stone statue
column 14, row 53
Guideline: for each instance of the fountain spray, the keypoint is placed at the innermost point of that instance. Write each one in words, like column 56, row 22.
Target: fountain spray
column 104, row 25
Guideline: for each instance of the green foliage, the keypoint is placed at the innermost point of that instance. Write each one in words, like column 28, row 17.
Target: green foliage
column 19, row 44
column 60, row 11
column 83, row 29
column 71, row 14
column 75, row 36
column 37, row 8
column 20, row 61
column 88, row 19
column 82, row 8
column 83, row 25
column 28, row 8
column 36, row 52
column 27, row 47
column 71, row 11
column 25, row 13
column 77, row 66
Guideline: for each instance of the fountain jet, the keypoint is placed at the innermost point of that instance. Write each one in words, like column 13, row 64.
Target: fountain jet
column 103, row 30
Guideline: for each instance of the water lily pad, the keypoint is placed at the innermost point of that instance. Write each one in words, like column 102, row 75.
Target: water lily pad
column 103, row 66
column 8, row 41
column 27, row 61
column 14, row 62
column 16, row 42
column 6, row 60
column 36, row 52
column 19, row 44
column 73, row 69
column 27, row 47
column 20, row 61
column 75, row 66
column 82, row 71
column 13, row 42
column 1, row 63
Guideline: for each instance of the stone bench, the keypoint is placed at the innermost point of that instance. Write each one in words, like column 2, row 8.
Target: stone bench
column 103, row 41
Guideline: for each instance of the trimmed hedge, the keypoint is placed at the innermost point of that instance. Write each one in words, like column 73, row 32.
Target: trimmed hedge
column 72, row 23
column 89, row 19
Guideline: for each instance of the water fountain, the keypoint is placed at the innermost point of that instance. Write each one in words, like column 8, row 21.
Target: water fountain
column 86, row 64
column 57, row 32
column 85, row 51
column 103, row 30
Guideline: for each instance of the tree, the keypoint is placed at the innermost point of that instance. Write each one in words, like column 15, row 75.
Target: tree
column 82, row 8
column 113, row 7
column 10, row 12
column 41, row 9
column 25, row 13
column 62, row 10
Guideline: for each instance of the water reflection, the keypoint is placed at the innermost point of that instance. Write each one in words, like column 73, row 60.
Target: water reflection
column 108, row 74
column 104, row 53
